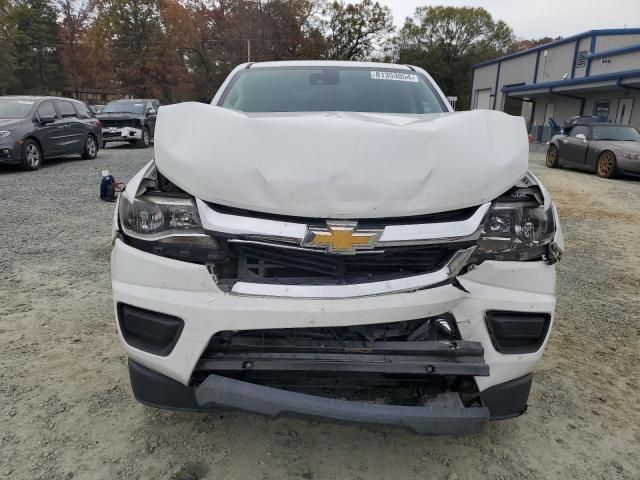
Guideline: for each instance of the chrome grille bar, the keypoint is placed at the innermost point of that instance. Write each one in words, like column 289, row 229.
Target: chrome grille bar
column 393, row 235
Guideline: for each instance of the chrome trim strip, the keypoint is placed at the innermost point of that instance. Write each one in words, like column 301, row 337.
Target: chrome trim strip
column 425, row 233
column 292, row 247
column 393, row 235
column 214, row 221
column 407, row 284
column 154, row 237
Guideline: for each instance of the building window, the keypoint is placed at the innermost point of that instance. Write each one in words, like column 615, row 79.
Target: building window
column 601, row 110
column 581, row 59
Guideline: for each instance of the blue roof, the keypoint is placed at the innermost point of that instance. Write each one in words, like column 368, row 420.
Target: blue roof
column 573, row 38
column 573, row 81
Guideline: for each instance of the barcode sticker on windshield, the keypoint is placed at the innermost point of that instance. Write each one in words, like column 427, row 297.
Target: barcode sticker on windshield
column 401, row 77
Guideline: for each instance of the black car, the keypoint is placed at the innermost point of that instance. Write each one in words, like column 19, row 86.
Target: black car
column 578, row 120
column 33, row 129
column 131, row 120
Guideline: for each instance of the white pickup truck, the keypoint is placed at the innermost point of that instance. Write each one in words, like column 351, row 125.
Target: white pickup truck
column 329, row 239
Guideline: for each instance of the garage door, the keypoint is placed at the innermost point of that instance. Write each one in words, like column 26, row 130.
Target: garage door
column 483, row 99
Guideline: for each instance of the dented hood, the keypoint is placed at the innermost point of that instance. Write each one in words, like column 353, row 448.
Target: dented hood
column 340, row 165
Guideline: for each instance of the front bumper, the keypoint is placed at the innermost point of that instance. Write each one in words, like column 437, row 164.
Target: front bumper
column 121, row 134
column 188, row 291
column 215, row 393
column 10, row 153
column 629, row 166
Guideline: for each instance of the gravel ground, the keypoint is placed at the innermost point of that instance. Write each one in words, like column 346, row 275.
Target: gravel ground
column 66, row 408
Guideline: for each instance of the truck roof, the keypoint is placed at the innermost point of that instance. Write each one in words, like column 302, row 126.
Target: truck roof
column 326, row 63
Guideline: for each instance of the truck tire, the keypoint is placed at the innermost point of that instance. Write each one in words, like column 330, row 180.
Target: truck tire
column 145, row 141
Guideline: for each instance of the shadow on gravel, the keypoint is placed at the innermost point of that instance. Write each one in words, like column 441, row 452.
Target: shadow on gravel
column 53, row 162
column 620, row 178
column 120, row 146
column 124, row 146
column 15, row 169
column 10, row 169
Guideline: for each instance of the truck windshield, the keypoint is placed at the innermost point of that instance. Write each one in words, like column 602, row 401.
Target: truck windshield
column 11, row 108
column 124, row 107
column 611, row 132
column 331, row 89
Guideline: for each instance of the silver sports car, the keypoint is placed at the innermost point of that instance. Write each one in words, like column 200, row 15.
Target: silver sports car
column 607, row 149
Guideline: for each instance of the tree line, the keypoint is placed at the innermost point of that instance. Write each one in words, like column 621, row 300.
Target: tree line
column 178, row 50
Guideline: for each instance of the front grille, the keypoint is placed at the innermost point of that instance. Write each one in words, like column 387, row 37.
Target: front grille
column 119, row 123
column 439, row 328
column 263, row 263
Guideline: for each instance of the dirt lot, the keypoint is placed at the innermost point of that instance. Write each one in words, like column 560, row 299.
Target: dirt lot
column 66, row 409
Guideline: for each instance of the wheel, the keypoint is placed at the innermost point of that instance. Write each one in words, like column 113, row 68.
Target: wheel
column 552, row 157
column 145, row 141
column 90, row 148
column 606, row 165
column 31, row 155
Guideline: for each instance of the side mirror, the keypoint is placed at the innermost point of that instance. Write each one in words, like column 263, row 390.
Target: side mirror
column 47, row 120
column 582, row 137
column 151, row 111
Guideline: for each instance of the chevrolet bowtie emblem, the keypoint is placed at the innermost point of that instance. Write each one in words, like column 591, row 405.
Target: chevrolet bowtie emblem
column 341, row 237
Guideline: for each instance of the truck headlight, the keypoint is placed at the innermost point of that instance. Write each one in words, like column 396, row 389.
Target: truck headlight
column 5, row 133
column 516, row 231
column 168, row 226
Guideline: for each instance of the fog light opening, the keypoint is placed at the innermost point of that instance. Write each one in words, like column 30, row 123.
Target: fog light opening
column 149, row 331
column 517, row 332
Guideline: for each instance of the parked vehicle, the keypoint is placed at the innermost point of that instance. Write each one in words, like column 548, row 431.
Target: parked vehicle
column 578, row 120
column 96, row 109
column 321, row 241
column 33, row 129
column 131, row 120
column 604, row 148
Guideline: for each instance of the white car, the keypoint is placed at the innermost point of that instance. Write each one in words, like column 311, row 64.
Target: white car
column 329, row 239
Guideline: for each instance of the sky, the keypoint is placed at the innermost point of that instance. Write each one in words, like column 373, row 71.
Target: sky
column 540, row 18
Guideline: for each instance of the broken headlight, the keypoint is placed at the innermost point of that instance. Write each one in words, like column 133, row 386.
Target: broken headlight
column 168, row 226
column 518, row 228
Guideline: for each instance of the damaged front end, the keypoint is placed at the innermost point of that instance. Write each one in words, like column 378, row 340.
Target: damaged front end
column 419, row 374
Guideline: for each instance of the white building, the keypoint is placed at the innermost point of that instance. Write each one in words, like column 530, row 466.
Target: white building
column 593, row 73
